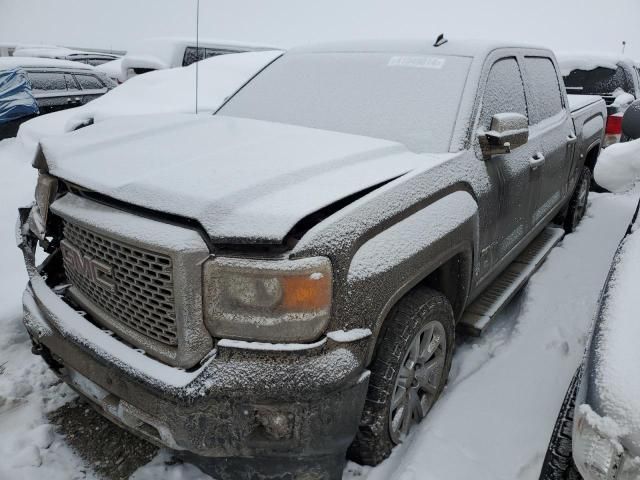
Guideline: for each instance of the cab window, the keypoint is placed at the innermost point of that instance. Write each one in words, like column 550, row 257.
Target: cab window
column 504, row 92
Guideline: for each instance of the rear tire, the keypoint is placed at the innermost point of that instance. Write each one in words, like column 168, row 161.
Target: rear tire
column 408, row 373
column 579, row 201
column 558, row 462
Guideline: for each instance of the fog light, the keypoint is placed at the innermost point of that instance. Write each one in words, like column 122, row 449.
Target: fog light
column 278, row 425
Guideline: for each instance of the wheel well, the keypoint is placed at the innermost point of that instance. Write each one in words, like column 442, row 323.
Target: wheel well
column 592, row 158
column 452, row 279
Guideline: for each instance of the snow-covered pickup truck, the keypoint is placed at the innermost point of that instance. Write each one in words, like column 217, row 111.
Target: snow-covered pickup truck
column 270, row 282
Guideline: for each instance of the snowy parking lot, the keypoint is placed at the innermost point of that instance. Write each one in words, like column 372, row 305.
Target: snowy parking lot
column 493, row 421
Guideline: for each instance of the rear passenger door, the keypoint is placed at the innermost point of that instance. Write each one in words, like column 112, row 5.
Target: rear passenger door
column 509, row 174
column 551, row 134
column 92, row 87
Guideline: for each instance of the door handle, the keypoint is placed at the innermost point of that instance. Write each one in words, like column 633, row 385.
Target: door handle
column 537, row 161
column 572, row 138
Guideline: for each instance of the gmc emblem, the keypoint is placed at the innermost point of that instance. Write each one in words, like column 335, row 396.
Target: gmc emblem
column 90, row 268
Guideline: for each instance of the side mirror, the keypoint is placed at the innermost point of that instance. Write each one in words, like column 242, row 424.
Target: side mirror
column 631, row 121
column 508, row 131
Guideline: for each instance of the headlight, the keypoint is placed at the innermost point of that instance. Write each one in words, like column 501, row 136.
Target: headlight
column 45, row 193
column 270, row 301
column 598, row 456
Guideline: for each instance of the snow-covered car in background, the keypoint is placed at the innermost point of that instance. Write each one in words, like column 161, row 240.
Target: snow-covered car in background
column 17, row 102
column 615, row 78
column 597, row 433
column 63, row 53
column 171, row 52
column 265, row 284
column 166, row 91
column 57, row 84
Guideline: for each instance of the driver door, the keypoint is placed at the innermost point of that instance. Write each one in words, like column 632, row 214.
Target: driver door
column 511, row 177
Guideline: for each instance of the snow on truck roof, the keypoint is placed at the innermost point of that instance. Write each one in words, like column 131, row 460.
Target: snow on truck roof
column 7, row 63
column 421, row 46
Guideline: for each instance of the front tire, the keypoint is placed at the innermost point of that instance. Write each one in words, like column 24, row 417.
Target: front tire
column 408, row 373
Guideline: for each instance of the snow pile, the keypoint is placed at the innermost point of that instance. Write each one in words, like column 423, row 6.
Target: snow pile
column 618, row 167
column 623, row 98
column 166, row 91
column 617, row 386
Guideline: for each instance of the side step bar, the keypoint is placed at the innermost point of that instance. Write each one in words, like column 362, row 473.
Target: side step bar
column 497, row 295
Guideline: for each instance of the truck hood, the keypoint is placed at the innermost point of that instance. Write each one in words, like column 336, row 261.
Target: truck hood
column 243, row 180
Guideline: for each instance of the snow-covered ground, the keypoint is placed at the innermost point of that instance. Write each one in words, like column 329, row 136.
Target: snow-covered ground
column 493, row 422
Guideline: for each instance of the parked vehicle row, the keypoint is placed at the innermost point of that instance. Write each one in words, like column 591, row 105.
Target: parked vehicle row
column 54, row 85
column 282, row 281
column 169, row 52
column 62, row 53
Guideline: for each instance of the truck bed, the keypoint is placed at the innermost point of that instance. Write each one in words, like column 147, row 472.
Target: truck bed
column 577, row 102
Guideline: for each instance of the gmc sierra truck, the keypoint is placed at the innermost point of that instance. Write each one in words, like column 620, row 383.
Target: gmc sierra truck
column 264, row 288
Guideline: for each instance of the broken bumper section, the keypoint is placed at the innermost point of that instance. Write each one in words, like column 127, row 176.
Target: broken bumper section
column 242, row 412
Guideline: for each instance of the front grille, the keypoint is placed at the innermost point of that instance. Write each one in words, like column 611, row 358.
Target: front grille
column 139, row 292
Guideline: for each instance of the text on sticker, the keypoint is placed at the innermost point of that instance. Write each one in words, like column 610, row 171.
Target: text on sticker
column 417, row 61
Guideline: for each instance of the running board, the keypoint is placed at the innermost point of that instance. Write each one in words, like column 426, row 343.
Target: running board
column 498, row 295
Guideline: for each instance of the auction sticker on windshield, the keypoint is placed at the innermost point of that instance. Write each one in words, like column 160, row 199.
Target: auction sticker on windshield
column 417, row 61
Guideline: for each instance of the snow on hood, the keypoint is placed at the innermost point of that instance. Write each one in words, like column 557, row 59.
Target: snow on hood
column 165, row 91
column 243, row 180
column 618, row 167
column 617, row 384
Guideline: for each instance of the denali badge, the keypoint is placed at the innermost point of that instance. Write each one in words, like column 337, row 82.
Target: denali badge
column 90, row 268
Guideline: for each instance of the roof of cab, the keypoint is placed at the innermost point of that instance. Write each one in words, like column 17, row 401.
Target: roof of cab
column 421, row 46
column 7, row 63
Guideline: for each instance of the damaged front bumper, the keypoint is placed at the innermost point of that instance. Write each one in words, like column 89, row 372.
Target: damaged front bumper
column 243, row 401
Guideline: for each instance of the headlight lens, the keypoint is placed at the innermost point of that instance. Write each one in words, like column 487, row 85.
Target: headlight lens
column 270, row 301
column 597, row 456
column 45, row 193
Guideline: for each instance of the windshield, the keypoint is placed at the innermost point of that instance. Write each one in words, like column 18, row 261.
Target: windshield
column 411, row 99
column 599, row 81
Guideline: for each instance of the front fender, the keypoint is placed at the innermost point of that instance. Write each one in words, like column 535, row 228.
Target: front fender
column 394, row 261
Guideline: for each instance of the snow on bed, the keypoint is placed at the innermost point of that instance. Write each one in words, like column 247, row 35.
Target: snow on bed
column 618, row 166
column 165, row 91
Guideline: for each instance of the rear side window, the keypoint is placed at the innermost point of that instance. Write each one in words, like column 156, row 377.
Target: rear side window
column 546, row 99
column 191, row 54
column 504, row 92
column 46, row 81
column 89, row 82
column 598, row 81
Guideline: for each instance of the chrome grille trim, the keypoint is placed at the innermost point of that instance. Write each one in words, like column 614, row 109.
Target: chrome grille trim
column 187, row 252
column 143, row 294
